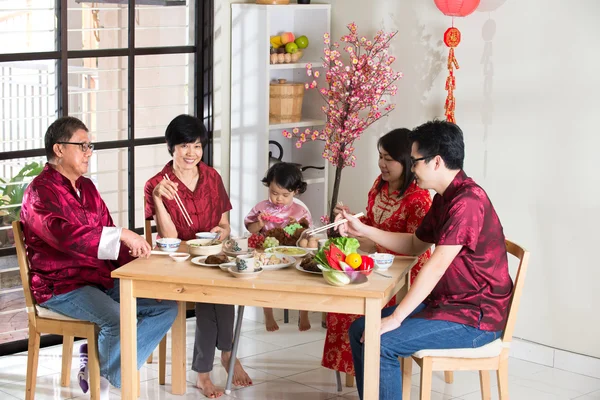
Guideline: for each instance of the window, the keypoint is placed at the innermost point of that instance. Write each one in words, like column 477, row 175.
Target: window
column 125, row 72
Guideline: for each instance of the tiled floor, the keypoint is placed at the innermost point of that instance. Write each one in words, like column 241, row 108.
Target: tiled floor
column 286, row 365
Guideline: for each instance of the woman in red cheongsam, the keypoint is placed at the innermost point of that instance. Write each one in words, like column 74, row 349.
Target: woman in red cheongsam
column 395, row 204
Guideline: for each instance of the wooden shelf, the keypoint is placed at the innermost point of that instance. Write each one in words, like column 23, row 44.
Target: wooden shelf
column 300, row 124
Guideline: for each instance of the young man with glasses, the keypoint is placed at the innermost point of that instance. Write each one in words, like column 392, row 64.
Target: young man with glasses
column 461, row 296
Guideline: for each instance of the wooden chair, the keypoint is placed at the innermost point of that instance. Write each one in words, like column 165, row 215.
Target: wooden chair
column 42, row 320
column 493, row 356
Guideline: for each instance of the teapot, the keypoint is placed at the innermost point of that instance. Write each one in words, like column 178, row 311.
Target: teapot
column 274, row 160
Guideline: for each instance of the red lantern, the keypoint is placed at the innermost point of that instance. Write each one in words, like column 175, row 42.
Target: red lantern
column 453, row 8
column 457, row 8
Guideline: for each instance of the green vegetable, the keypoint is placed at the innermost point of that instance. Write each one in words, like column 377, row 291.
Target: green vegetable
column 345, row 244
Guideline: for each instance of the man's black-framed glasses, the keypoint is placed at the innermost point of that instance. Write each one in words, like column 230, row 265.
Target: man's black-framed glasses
column 413, row 161
column 85, row 146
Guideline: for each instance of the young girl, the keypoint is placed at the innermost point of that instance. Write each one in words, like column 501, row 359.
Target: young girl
column 284, row 181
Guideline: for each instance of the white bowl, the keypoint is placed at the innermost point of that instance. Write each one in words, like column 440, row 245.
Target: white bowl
column 168, row 244
column 198, row 247
column 207, row 235
column 383, row 261
column 179, row 257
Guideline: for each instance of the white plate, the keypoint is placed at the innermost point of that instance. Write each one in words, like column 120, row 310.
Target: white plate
column 282, row 250
column 200, row 261
column 299, row 268
column 291, row 261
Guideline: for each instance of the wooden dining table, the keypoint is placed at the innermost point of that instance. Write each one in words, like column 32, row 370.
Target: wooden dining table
column 159, row 277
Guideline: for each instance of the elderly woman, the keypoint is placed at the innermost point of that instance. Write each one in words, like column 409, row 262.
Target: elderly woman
column 203, row 195
column 73, row 246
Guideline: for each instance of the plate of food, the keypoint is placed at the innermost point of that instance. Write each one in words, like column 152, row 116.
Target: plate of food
column 309, row 265
column 212, row 260
column 270, row 262
column 292, row 251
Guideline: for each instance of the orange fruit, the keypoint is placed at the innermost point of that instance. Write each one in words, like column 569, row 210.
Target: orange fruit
column 353, row 260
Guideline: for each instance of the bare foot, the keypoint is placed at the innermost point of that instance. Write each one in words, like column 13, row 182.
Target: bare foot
column 240, row 377
column 304, row 322
column 270, row 322
column 208, row 389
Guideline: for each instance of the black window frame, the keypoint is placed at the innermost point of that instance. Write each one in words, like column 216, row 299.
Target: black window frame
column 202, row 49
column 202, row 102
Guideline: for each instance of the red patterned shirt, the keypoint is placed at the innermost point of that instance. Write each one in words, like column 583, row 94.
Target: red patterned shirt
column 62, row 231
column 476, row 288
column 391, row 213
column 206, row 204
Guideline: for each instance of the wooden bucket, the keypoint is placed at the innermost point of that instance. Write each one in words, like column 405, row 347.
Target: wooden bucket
column 285, row 102
column 272, row 1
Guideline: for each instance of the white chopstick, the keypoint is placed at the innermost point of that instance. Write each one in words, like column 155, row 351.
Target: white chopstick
column 165, row 253
column 186, row 216
column 334, row 224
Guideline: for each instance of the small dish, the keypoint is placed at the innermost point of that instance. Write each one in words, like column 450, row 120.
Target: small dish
column 299, row 268
column 244, row 275
column 168, row 244
column 200, row 261
column 225, row 266
column 179, row 257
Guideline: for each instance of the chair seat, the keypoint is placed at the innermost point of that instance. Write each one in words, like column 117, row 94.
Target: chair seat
column 44, row 312
column 492, row 349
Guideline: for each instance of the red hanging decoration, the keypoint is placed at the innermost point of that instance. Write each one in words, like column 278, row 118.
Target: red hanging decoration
column 451, row 39
column 453, row 8
column 457, row 8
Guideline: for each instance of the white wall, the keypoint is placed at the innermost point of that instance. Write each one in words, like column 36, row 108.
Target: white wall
column 531, row 137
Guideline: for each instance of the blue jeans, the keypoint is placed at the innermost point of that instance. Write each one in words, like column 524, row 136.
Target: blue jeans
column 102, row 307
column 413, row 335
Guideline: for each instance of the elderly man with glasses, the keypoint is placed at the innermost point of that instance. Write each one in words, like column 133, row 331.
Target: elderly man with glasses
column 73, row 245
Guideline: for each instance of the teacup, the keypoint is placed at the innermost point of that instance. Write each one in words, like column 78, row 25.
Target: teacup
column 237, row 244
column 247, row 263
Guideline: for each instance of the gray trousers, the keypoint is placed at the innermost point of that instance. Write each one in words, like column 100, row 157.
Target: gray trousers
column 214, row 328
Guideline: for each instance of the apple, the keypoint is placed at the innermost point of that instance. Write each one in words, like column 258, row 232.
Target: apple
column 291, row 48
column 287, row 37
column 302, row 42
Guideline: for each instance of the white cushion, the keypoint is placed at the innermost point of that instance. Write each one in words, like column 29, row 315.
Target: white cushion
column 43, row 312
column 492, row 349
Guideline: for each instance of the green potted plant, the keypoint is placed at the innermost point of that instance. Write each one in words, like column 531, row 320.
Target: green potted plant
column 11, row 197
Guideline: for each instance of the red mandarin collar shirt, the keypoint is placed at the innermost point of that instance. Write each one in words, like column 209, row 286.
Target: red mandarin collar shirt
column 206, row 204
column 63, row 231
column 476, row 288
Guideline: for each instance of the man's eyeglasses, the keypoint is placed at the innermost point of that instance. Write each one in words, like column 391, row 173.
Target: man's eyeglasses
column 84, row 145
column 413, row 161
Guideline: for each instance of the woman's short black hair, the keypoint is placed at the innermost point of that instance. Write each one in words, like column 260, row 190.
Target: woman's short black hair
column 440, row 138
column 287, row 176
column 61, row 130
column 185, row 129
column 397, row 144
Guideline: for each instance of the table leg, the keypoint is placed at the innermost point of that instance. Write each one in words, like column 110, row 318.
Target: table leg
column 372, row 348
column 178, row 358
column 236, row 342
column 128, row 341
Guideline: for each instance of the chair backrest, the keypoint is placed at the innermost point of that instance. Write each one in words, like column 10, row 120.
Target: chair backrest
column 24, row 269
column 147, row 226
column 513, row 308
